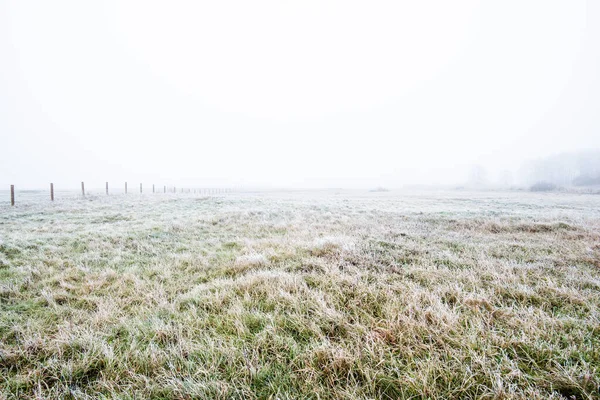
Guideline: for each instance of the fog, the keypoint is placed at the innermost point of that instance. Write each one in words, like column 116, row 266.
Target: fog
column 293, row 94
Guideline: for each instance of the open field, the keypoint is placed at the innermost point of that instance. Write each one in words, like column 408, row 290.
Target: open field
column 301, row 295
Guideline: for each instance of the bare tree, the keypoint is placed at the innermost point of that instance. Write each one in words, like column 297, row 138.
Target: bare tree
column 477, row 176
column 506, row 178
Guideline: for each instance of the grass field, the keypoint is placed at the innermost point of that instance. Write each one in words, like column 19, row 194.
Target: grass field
column 301, row 295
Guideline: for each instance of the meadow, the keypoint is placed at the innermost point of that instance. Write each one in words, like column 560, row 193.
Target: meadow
column 301, row 295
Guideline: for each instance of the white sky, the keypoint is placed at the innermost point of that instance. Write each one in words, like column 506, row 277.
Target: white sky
column 282, row 93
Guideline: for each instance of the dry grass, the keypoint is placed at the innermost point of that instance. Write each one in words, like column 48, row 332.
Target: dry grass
column 373, row 295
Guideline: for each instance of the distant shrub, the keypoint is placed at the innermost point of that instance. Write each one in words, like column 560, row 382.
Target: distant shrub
column 380, row 189
column 586, row 180
column 543, row 187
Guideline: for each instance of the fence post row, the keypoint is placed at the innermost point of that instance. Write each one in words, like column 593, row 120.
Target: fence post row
column 200, row 191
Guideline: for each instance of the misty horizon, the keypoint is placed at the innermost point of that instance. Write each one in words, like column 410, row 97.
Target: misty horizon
column 289, row 95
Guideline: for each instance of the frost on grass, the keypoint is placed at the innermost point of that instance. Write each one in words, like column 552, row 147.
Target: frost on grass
column 253, row 260
column 302, row 296
column 332, row 245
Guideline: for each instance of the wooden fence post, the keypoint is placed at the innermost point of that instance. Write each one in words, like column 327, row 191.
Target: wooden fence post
column 140, row 188
column 52, row 192
column 12, row 195
column 125, row 187
column 82, row 189
column 153, row 188
column 107, row 188
column 165, row 189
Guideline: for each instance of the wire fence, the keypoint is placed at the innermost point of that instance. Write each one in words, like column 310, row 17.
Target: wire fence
column 53, row 193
